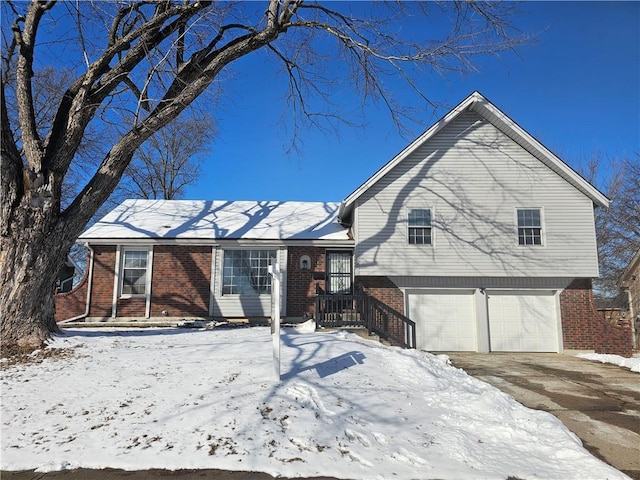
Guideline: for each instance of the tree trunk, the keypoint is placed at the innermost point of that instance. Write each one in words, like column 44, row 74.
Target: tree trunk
column 30, row 258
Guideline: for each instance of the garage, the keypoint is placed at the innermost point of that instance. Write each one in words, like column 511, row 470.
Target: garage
column 523, row 321
column 445, row 319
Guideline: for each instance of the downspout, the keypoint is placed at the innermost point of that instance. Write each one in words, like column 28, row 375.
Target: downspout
column 632, row 319
column 89, row 285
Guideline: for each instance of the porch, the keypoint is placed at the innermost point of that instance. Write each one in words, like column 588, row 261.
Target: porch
column 362, row 310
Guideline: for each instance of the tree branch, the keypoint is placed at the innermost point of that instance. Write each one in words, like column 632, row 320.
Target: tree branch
column 11, row 169
column 87, row 93
column 189, row 83
column 25, row 40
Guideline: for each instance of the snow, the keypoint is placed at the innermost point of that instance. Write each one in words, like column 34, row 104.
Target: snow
column 207, row 398
column 215, row 220
column 632, row 363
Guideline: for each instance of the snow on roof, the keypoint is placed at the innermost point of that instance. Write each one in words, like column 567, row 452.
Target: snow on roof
column 214, row 220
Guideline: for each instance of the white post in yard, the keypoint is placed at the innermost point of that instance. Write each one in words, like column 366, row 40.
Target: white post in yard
column 274, row 271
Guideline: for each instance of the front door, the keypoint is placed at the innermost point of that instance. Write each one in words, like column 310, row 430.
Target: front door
column 339, row 272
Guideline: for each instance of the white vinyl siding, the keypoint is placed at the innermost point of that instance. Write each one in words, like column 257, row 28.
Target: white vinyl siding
column 474, row 176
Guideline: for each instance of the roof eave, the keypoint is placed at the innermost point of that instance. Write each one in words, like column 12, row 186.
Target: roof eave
column 482, row 106
column 329, row 242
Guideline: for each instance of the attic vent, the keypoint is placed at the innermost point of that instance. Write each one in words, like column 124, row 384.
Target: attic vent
column 166, row 226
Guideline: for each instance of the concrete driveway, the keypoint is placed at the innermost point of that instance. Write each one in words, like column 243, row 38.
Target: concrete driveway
column 600, row 403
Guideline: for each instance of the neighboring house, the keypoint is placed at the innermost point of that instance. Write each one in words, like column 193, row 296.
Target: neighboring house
column 66, row 274
column 475, row 231
column 630, row 282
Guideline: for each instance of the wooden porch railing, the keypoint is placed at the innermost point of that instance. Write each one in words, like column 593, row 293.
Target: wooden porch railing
column 360, row 309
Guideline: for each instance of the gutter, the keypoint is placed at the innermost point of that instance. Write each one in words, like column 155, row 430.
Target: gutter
column 89, row 285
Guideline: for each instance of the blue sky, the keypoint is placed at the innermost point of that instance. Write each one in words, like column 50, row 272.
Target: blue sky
column 575, row 87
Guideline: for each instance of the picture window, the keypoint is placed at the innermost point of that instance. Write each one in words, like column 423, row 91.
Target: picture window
column 246, row 272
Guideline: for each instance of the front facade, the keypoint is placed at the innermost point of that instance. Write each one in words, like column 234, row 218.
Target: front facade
column 475, row 231
column 171, row 260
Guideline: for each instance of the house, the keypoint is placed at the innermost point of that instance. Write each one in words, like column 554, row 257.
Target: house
column 171, row 259
column 630, row 282
column 66, row 274
column 475, row 231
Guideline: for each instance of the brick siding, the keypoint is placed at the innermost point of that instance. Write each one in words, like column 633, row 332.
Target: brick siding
column 131, row 307
column 383, row 289
column 583, row 328
column 181, row 280
column 182, row 275
column 104, row 263
column 180, row 285
column 301, row 284
column 73, row 303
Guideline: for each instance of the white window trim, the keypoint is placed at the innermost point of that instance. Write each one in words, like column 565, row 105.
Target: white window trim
column 277, row 249
column 118, row 277
column 433, row 230
column 543, row 229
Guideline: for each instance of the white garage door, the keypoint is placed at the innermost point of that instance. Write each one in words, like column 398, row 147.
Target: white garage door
column 523, row 322
column 445, row 320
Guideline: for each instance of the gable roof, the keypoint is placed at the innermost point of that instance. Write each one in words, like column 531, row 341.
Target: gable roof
column 192, row 220
column 477, row 103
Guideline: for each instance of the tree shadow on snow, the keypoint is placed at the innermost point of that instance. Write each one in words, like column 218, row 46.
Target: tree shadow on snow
column 302, row 363
column 331, row 366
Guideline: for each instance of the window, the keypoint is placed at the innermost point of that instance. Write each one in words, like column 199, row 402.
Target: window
column 134, row 272
column 339, row 272
column 529, row 227
column 246, row 272
column 419, row 221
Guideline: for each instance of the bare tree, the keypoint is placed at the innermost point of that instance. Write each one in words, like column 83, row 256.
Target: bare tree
column 139, row 64
column 168, row 162
column 618, row 227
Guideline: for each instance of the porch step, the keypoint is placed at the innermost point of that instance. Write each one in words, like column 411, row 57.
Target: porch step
column 361, row 332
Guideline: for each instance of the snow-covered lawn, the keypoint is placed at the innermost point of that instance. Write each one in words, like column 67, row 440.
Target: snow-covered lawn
column 346, row 407
column 632, row 363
